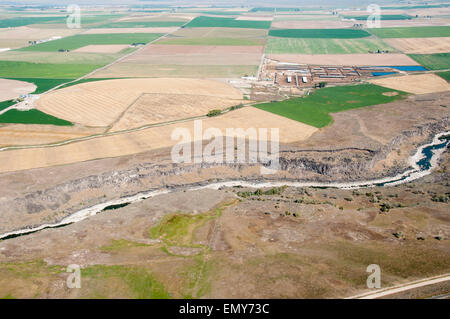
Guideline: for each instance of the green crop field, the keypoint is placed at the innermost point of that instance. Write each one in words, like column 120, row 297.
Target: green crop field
column 268, row 9
column 141, row 24
column 382, row 17
column 78, row 41
column 31, row 117
column 6, row 104
column 324, row 46
column 212, row 22
column 319, row 33
column 315, row 109
column 61, row 58
column 412, row 32
column 445, row 75
column 22, row 21
column 211, row 41
column 438, row 61
column 14, row 69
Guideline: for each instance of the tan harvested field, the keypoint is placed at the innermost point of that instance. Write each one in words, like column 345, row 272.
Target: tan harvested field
column 416, row 84
column 197, row 55
column 131, row 30
column 24, row 134
column 11, row 89
column 221, row 33
column 173, row 49
column 149, row 139
column 421, row 45
column 415, row 23
column 156, row 17
column 103, row 48
column 146, row 70
column 101, row 103
column 346, row 59
column 157, row 108
column 312, row 24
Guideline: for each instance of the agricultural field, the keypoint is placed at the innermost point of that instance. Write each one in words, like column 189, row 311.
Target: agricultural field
column 445, row 75
column 152, row 138
column 211, row 41
column 78, row 41
column 438, row 61
column 325, row 46
column 319, row 33
column 315, row 109
column 13, row 69
column 11, row 89
column 420, row 45
column 415, row 84
column 101, row 103
column 382, row 17
column 141, row 24
column 412, row 32
column 210, row 22
column 31, row 117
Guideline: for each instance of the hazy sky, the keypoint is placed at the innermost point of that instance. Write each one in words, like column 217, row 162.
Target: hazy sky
column 337, row 3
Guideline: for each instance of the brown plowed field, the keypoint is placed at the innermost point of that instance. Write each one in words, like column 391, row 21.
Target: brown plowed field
column 11, row 89
column 416, row 84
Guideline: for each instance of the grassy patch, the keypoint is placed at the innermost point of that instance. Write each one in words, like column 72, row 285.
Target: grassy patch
column 315, row 108
column 140, row 282
column 324, row 46
column 211, row 22
column 32, row 117
column 438, row 61
column 412, row 32
column 121, row 244
column 16, row 69
column 319, row 33
column 210, row 41
column 81, row 40
column 445, row 75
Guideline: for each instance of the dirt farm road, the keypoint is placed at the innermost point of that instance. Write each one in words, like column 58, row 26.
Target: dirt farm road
column 403, row 287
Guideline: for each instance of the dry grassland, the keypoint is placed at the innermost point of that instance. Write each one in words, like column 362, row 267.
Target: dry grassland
column 101, row 103
column 148, row 139
column 416, row 84
column 103, row 48
column 11, row 89
column 421, row 45
column 346, row 59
